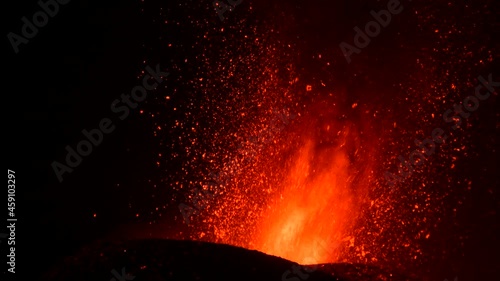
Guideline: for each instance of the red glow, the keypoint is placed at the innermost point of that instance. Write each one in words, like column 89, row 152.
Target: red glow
column 314, row 209
column 304, row 195
column 312, row 216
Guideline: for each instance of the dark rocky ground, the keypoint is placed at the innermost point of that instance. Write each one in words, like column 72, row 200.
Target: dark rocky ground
column 159, row 260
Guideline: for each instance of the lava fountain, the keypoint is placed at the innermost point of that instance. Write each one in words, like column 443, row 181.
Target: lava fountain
column 299, row 188
column 312, row 215
column 303, row 196
column 315, row 206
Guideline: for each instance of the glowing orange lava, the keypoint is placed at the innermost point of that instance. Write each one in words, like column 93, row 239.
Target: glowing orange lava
column 312, row 216
column 314, row 208
column 305, row 195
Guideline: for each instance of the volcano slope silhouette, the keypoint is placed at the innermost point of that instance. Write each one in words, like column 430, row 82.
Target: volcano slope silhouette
column 158, row 260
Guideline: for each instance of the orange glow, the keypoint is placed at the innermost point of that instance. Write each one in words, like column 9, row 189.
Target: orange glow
column 314, row 209
column 312, row 216
column 302, row 197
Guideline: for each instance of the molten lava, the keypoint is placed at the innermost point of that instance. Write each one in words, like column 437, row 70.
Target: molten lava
column 314, row 208
column 303, row 194
column 312, row 215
